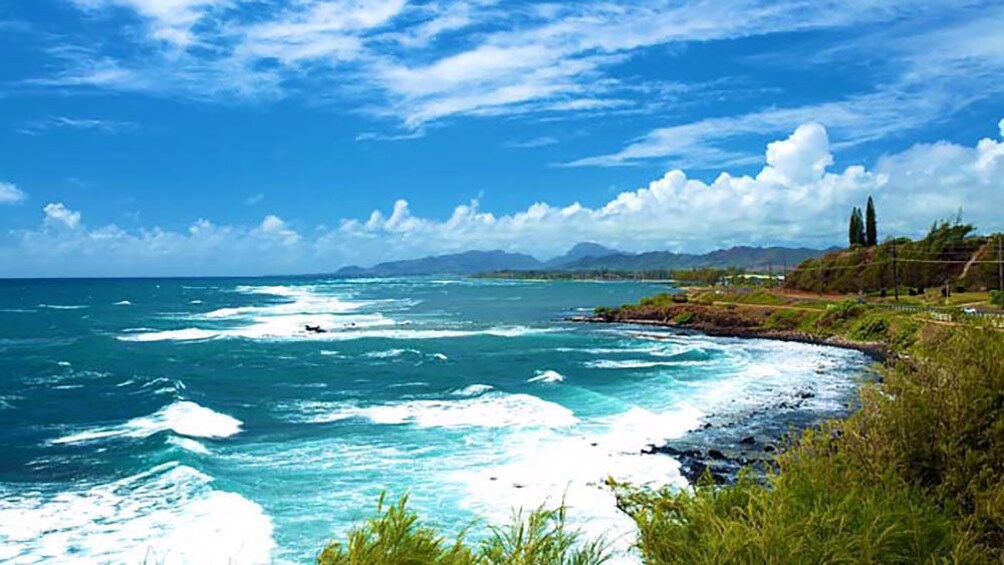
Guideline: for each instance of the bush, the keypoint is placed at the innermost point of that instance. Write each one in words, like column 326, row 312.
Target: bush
column 784, row 320
column 997, row 298
column 683, row 318
column 394, row 537
column 916, row 475
column 873, row 327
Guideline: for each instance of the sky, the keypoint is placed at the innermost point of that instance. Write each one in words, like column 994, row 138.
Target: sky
column 244, row 137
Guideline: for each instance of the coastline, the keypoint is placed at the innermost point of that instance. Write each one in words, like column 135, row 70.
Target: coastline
column 878, row 351
column 727, row 443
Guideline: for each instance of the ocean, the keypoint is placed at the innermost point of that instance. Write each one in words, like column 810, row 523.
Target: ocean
column 197, row 421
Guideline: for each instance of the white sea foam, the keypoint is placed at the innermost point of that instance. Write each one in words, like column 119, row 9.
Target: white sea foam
column 62, row 306
column 123, row 303
column 440, row 357
column 472, row 390
column 184, row 418
column 188, row 444
column 168, row 515
column 548, row 376
column 186, row 334
column 490, row 409
column 292, row 328
column 634, row 364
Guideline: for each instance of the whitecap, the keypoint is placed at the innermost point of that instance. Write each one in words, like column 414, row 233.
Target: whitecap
column 440, row 357
column 168, row 515
column 184, row 418
column 62, row 307
column 186, row 334
column 491, row 409
column 122, row 303
column 472, row 390
column 188, row 444
column 548, row 376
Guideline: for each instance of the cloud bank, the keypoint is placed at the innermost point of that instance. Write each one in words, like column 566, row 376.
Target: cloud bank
column 796, row 198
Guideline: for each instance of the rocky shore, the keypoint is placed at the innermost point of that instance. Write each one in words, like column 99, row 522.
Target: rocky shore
column 728, row 442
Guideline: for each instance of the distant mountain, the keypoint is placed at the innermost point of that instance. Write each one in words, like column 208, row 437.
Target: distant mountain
column 751, row 258
column 580, row 252
column 586, row 257
column 466, row 263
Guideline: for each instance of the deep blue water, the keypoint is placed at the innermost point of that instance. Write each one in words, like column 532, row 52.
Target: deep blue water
column 196, row 421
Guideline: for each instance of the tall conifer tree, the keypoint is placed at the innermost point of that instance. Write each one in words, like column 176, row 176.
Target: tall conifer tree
column 871, row 225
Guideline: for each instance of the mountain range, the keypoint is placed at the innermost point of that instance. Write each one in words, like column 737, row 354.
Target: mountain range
column 586, row 257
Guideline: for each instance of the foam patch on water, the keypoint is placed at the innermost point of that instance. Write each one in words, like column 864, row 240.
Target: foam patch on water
column 548, row 376
column 63, row 306
column 484, row 409
column 183, row 418
column 122, row 303
column 293, row 328
column 168, row 515
column 188, row 444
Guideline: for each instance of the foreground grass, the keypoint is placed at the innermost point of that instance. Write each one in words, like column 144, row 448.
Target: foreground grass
column 916, row 475
column 394, row 535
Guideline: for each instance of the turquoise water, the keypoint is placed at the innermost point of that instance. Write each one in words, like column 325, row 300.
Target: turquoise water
column 196, row 421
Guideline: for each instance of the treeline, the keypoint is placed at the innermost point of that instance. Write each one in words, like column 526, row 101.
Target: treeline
column 591, row 275
column 950, row 253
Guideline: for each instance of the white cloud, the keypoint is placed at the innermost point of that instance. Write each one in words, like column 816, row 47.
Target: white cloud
column 795, row 199
column 59, row 122
column 274, row 226
column 56, row 213
column 10, row 194
column 531, row 143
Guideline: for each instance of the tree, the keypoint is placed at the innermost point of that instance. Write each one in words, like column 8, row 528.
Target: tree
column 871, row 226
column 860, row 222
column 852, row 230
column 856, row 229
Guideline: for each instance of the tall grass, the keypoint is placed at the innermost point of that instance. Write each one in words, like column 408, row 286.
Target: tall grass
column 395, row 536
column 915, row 476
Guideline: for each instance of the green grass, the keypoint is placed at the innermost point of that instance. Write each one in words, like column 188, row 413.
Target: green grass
column 395, row 536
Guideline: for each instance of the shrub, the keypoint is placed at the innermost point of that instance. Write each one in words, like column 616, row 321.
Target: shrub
column 997, row 298
column 784, row 320
column 683, row 318
column 394, row 535
column 872, row 327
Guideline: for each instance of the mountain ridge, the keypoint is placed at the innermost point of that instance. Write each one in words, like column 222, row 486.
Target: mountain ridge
column 586, row 256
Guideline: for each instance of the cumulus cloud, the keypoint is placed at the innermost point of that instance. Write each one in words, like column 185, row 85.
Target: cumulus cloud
column 10, row 194
column 795, row 198
column 57, row 214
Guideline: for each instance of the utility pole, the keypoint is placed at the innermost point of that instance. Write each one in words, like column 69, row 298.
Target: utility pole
column 895, row 271
column 1000, row 265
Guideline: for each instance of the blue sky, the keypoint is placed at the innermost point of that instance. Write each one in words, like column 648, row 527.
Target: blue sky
column 149, row 137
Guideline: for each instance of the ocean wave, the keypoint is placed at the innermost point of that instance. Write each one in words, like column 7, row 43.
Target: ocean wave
column 186, row 334
column 122, row 303
column 183, row 417
column 633, row 364
column 489, row 409
column 293, row 329
column 188, row 444
column 63, row 306
column 548, row 376
column 472, row 390
column 167, row 515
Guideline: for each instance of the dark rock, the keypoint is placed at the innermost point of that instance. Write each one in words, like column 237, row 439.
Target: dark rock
column 748, row 440
column 769, row 449
column 715, row 454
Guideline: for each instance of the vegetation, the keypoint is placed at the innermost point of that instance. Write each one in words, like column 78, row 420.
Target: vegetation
column 871, row 224
column 856, row 231
column 395, row 536
column 950, row 257
column 916, row 475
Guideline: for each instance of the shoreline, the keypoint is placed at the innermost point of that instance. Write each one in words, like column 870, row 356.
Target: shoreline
column 723, row 445
column 878, row 351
